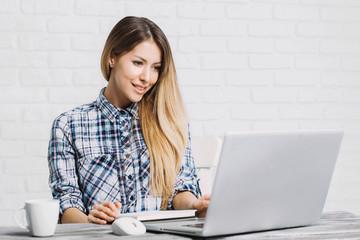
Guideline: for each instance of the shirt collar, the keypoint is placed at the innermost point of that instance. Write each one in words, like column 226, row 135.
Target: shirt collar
column 111, row 111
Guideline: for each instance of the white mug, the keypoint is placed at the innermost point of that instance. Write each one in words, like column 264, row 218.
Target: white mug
column 41, row 215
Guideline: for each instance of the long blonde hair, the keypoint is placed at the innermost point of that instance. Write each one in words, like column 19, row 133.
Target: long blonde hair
column 162, row 113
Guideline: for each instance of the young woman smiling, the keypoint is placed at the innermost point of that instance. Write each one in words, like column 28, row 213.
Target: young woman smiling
column 129, row 150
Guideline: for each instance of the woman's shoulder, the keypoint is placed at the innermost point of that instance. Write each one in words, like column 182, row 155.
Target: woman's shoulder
column 77, row 114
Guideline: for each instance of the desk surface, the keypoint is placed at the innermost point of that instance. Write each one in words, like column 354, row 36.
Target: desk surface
column 333, row 225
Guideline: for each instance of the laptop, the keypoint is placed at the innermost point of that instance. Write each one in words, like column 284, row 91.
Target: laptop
column 265, row 181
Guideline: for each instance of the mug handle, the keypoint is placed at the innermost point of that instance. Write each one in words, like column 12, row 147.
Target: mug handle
column 16, row 219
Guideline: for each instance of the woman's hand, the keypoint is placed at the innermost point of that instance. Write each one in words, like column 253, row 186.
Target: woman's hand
column 201, row 205
column 187, row 200
column 104, row 212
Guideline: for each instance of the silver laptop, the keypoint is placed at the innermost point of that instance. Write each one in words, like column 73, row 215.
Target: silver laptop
column 264, row 181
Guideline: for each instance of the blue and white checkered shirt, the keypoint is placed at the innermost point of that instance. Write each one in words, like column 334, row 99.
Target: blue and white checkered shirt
column 97, row 153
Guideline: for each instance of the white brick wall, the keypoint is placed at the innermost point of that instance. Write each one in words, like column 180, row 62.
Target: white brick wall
column 242, row 65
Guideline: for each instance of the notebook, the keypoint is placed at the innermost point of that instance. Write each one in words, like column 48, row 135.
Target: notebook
column 264, row 181
column 159, row 215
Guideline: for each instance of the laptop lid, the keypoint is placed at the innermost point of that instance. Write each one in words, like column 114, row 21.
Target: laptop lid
column 267, row 180
column 270, row 180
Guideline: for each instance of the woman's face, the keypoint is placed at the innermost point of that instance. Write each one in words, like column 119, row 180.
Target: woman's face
column 133, row 74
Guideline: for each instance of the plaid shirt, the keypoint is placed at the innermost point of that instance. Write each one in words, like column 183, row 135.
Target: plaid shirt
column 97, row 153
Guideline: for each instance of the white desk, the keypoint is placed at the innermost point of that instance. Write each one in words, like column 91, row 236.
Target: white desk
column 333, row 225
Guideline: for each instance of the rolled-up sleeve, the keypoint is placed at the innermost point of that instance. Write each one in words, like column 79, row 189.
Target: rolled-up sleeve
column 63, row 179
column 187, row 178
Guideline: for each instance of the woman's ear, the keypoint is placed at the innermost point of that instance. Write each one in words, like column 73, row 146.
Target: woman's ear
column 112, row 59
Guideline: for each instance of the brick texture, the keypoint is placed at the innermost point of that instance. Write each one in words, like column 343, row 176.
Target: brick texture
column 242, row 66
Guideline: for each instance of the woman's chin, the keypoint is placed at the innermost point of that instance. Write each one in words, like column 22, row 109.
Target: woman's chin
column 136, row 99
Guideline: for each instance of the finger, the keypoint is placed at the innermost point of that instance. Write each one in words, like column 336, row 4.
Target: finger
column 108, row 205
column 93, row 219
column 106, row 210
column 201, row 213
column 111, row 206
column 204, row 202
column 99, row 214
column 200, row 204
column 206, row 197
column 118, row 205
column 118, row 208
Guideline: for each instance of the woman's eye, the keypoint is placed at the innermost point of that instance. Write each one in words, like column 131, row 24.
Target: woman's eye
column 137, row 63
column 157, row 68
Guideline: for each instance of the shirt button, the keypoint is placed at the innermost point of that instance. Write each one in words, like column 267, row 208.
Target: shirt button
column 130, row 177
column 132, row 198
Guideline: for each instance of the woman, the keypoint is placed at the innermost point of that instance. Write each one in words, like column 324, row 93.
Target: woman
column 129, row 150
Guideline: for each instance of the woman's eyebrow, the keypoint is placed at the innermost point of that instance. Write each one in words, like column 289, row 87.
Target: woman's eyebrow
column 144, row 60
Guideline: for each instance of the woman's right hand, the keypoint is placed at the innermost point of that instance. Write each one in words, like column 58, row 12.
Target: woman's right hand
column 104, row 212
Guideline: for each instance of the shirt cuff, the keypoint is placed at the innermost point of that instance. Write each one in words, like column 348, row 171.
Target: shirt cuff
column 187, row 187
column 69, row 203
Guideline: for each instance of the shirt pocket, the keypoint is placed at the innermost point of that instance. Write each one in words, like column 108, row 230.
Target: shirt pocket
column 99, row 178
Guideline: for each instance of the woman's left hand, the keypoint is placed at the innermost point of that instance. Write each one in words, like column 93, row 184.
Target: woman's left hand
column 104, row 212
column 201, row 205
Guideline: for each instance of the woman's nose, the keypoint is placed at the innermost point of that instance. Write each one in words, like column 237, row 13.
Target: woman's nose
column 145, row 75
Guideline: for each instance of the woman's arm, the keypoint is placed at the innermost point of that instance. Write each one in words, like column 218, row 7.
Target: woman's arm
column 101, row 214
column 187, row 188
column 187, row 200
column 62, row 168
column 184, row 200
column 64, row 180
column 74, row 215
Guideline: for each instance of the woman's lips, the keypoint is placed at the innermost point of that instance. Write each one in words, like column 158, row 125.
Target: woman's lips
column 139, row 88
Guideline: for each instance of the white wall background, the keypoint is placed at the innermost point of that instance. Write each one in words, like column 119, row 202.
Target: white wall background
column 242, row 65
